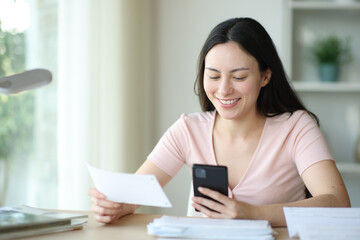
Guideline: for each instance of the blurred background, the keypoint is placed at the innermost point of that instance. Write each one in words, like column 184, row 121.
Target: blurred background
column 124, row 71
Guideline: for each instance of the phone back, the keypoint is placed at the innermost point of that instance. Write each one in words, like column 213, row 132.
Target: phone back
column 210, row 176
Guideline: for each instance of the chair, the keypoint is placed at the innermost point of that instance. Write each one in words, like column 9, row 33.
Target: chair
column 190, row 210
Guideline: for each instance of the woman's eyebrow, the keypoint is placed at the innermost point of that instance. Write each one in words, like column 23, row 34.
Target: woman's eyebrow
column 212, row 69
column 239, row 69
column 234, row 70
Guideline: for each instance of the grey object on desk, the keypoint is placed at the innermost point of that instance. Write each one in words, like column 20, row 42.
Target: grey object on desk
column 24, row 81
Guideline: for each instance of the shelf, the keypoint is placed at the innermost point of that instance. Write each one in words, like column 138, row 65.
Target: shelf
column 349, row 167
column 324, row 5
column 337, row 87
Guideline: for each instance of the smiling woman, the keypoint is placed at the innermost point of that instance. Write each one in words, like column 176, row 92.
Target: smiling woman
column 251, row 122
column 233, row 81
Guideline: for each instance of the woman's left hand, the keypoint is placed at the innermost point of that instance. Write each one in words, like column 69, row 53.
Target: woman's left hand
column 225, row 207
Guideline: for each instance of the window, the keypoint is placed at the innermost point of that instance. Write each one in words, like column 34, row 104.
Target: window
column 28, row 149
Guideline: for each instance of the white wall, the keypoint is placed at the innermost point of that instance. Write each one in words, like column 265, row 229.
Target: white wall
column 181, row 28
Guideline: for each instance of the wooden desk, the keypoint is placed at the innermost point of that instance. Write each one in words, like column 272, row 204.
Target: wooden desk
column 130, row 227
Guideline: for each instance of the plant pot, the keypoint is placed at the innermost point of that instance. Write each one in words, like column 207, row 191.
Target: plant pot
column 329, row 72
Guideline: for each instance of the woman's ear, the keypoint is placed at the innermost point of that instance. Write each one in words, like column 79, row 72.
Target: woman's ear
column 266, row 76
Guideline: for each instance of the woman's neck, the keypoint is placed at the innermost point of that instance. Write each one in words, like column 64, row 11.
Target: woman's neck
column 243, row 128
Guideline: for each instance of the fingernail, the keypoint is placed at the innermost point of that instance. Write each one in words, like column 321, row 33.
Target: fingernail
column 200, row 188
column 116, row 205
column 102, row 196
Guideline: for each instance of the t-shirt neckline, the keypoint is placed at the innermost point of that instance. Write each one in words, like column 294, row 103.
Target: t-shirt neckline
column 253, row 158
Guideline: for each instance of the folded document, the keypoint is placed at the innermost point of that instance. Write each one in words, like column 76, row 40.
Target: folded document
column 200, row 228
column 323, row 223
column 129, row 188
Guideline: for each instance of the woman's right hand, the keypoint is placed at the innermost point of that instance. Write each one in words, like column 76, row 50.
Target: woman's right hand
column 106, row 211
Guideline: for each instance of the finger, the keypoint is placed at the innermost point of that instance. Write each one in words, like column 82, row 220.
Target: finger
column 207, row 211
column 104, row 218
column 213, row 194
column 104, row 211
column 227, row 206
column 105, row 203
column 210, row 204
column 93, row 192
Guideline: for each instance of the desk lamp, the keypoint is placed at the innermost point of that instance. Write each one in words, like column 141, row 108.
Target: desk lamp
column 24, row 81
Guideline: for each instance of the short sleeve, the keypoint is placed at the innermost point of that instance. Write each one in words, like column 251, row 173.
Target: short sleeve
column 171, row 151
column 309, row 143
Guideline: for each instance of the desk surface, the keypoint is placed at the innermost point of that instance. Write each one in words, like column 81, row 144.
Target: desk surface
column 129, row 227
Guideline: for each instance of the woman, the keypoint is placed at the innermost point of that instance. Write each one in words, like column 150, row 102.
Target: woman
column 253, row 123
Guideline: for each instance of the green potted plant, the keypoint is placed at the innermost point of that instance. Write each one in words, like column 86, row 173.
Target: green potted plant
column 329, row 53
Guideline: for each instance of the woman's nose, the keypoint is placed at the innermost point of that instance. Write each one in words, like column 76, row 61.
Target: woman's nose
column 225, row 87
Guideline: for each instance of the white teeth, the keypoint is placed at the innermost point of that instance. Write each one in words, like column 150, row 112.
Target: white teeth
column 229, row 101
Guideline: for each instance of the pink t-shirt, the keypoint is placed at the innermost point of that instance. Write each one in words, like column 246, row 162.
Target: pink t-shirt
column 288, row 145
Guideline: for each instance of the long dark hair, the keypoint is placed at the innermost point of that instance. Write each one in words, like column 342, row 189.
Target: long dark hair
column 277, row 96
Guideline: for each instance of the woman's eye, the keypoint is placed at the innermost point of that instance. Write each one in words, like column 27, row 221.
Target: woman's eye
column 214, row 77
column 239, row 78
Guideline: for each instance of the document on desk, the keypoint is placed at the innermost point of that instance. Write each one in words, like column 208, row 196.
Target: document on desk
column 329, row 232
column 207, row 228
column 308, row 221
column 129, row 188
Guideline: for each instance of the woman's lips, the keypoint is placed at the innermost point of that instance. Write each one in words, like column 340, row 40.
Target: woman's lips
column 228, row 103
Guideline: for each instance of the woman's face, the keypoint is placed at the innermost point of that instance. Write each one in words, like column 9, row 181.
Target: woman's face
column 232, row 80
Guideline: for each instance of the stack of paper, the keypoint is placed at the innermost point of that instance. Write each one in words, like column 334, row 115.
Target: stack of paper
column 206, row 228
column 323, row 223
column 23, row 221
